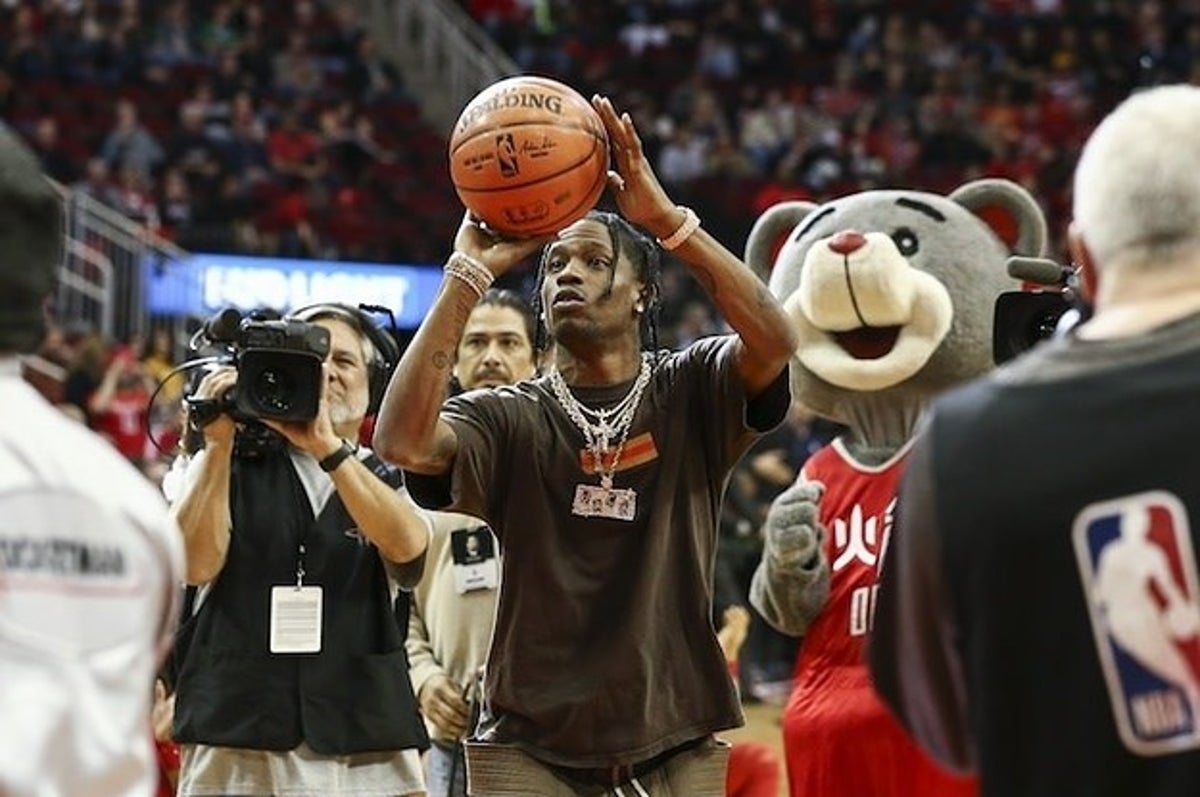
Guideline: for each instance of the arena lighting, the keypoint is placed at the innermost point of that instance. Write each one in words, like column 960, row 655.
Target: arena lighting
column 202, row 284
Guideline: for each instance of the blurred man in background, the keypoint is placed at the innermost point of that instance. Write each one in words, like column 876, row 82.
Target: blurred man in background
column 1038, row 618
column 89, row 558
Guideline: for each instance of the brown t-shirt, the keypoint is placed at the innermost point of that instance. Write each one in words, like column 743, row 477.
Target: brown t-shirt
column 604, row 651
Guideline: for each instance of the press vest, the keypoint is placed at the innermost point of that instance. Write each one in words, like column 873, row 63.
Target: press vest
column 352, row 697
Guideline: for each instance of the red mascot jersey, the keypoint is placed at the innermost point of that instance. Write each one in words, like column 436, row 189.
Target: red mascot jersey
column 839, row 739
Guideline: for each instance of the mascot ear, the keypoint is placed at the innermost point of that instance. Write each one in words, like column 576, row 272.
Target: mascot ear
column 1010, row 210
column 770, row 233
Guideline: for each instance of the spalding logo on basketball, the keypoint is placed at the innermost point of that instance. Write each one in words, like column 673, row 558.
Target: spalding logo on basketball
column 529, row 156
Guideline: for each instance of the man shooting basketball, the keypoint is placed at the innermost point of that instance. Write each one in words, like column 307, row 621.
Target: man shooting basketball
column 602, row 480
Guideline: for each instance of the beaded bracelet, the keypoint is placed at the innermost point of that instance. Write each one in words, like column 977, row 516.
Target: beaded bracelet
column 691, row 223
column 480, row 274
column 469, row 270
column 464, row 276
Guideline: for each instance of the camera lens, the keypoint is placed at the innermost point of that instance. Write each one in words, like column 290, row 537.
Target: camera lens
column 273, row 390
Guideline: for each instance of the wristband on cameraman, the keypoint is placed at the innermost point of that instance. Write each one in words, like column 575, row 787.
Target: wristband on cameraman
column 343, row 452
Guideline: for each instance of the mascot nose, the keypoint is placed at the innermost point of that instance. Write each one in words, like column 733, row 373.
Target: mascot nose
column 847, row 242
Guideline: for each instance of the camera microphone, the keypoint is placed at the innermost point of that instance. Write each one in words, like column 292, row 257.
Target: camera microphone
column 1038, row 270
column 1022, row 318
column 223, row 327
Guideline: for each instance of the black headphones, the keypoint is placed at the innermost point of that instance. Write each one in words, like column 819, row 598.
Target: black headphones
column 387, row 350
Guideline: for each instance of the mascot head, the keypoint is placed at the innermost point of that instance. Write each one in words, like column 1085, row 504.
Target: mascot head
column 892, row 292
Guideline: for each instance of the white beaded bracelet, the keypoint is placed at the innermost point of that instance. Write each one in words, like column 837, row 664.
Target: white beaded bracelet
column 469, row 270
column 691, row 223
column 459, row 275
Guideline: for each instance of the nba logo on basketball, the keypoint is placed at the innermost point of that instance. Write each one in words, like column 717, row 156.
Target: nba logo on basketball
column 506, row 155
column 1138, row 568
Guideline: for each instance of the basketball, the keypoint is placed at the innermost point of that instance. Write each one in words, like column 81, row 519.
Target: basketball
column 529, row 156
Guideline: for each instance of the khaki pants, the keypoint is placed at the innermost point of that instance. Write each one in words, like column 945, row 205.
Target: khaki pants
column 501, row 770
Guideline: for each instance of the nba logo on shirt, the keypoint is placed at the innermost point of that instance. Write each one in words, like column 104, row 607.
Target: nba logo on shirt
column 1139, row 577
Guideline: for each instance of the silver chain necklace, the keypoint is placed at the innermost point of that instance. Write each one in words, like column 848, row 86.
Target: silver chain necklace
column 599, row 419
column 599, row 434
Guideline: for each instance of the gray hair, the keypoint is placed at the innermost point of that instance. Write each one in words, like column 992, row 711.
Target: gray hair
column 1137, row 184
column 348, row 316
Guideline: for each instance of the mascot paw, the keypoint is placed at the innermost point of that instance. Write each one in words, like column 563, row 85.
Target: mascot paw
column 793, row 533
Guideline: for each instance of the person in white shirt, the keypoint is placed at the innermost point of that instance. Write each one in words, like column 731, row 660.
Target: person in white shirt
column 90, row 561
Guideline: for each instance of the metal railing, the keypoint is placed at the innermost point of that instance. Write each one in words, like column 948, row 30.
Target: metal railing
column 444, row 56
column 102, row 279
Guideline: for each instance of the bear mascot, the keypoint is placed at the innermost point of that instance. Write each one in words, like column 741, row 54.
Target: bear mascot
column 892, row 294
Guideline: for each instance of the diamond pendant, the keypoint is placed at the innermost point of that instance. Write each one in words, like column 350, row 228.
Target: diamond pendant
column 606, row 481
column 604, row 502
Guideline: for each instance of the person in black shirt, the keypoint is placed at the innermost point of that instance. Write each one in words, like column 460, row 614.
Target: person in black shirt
column 1038, row 618
column 603, row 481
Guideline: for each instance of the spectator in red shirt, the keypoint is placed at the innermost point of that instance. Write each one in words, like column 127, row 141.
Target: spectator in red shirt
column 118, row 406
column 294, row 151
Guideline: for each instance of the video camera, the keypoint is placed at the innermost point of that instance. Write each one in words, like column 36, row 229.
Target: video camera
column 1022, row 319
column 278, row 363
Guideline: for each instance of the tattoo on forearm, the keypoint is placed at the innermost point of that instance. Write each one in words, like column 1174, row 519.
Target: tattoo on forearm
column 441, row 360
column 464, row 303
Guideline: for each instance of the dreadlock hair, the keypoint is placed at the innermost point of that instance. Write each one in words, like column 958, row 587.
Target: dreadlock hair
column 646, row 258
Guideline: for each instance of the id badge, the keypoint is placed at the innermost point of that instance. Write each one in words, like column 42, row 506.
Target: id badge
column 607, row 502
column 296, row 619
column 475, row 564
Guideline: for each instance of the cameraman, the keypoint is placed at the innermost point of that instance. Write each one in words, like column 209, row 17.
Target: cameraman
column 292, row 678
column 1038, row 617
